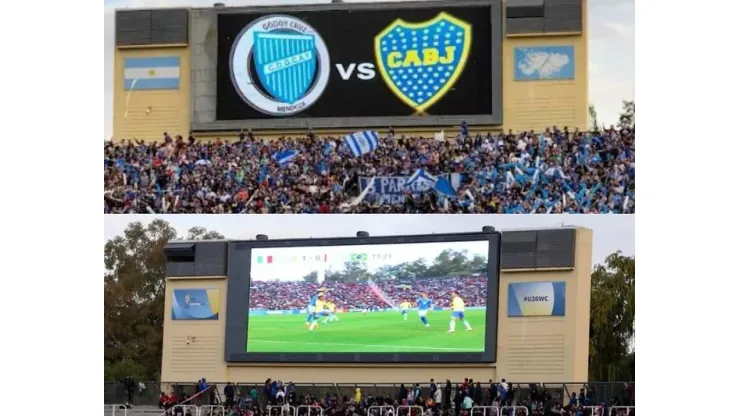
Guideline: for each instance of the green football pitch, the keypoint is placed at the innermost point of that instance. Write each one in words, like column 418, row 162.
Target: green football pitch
column 372, row 332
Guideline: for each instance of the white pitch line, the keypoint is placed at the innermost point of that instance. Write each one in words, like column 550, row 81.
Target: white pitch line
column 362, row 345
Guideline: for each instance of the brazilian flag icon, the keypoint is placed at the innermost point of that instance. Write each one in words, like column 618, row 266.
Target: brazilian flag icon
column 357, row 257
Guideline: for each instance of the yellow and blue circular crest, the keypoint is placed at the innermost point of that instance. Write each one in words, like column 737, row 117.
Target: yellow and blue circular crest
column 420, row 62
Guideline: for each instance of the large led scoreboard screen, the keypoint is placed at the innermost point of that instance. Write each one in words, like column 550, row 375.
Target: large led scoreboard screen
column 408, row 301
column 362, row 63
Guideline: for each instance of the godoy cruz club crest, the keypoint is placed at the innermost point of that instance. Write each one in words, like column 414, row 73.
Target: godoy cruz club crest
column 420, row 62
column 279, row 65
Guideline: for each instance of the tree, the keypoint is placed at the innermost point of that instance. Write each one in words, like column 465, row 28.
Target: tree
column 312, row 277
column 593, row 117
column 627, row 117
column 611, row 355
column 200, row 233
column 134, row 283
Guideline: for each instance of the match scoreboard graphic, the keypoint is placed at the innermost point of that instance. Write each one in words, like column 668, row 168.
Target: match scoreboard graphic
column 536, row 299
column 431, row 61
column 195, row 304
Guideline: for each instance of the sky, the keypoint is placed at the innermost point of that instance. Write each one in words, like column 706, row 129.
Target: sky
column 611, row 232
column 611, row 49
column 284, row 267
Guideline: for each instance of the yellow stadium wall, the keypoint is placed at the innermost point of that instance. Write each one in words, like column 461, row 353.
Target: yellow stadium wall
column 534, row 349
column 536, row 105
column 151, row 112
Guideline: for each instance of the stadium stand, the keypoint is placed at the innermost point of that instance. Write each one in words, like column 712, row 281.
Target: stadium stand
column 281, row 295
column 557, row 171
column 434, row 398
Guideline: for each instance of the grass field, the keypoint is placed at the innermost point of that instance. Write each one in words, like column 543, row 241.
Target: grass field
column 372, row 332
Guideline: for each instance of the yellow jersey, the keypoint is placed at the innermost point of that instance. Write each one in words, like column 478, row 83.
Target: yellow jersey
column 319, row 306
column 458, row 305
column 405, row 305
column 331, row 307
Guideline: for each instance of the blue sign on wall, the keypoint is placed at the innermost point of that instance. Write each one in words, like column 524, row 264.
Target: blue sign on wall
column 195, row 304
column 544, row 63
column 536, row 299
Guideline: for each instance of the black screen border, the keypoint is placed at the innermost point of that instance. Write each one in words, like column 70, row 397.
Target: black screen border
column 237, row 310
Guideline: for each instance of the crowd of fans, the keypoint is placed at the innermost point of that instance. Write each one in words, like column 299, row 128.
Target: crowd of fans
column 434, row 399
column 280, row 295
column 556, row 171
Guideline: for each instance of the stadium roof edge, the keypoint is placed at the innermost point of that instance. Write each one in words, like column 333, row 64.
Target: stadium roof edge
column 229, row 240
column 320, row 6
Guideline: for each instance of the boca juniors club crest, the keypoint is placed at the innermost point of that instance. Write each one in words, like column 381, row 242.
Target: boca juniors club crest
column 420, row 62
column 290, row 61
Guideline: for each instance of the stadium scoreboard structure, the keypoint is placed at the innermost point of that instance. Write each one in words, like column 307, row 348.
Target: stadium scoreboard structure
column 371, row 309
column 345, row 66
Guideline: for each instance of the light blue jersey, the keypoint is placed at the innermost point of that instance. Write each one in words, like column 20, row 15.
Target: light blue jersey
column 309, row 309
column 424, row 304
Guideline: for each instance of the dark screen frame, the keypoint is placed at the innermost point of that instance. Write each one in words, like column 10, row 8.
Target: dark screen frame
column 237, row 307
column 231, row 106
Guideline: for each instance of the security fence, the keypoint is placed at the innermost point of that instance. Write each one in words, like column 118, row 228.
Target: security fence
column 148, row 392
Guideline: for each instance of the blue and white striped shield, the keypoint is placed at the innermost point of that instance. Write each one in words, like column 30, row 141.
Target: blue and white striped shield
column 285, row 63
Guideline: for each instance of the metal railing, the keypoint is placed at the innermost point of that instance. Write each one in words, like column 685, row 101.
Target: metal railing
column 282, row 410
column 211, row 410
column 381, row 410
column 621, row 410
column 513, row 411
column 308, row 410
column 115, row 393
column 115, row 410
column 485, row 411
column 409, row 411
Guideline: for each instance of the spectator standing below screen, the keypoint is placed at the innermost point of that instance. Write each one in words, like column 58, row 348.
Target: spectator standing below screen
column 478, row 394
column 458, row 398
column 402, row 393
column 627, row 395
column 267, row 390
column 229, row 393
column 447, row 395
column 432, row 387
column 129, row 385
column 467, row 403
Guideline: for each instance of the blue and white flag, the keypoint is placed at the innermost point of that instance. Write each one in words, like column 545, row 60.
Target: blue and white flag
column 422, row 177
column 362, row 142
column 160, row 73
column 444, row 187
column 286, row 156
column 440, row 184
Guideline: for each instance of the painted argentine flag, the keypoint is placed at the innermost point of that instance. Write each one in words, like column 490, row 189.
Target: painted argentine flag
column 160, row 73
column 362, row 142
